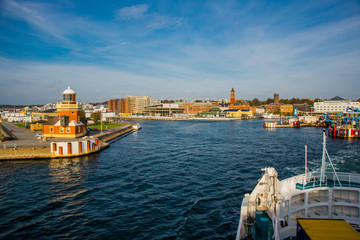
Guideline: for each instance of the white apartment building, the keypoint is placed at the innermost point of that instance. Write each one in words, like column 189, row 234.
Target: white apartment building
column 137, row 104
column 334, row 106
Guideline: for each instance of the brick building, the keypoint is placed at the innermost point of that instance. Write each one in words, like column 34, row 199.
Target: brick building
column 272, row 107
column 232, row 105
column 118, row 105
column 197, row 107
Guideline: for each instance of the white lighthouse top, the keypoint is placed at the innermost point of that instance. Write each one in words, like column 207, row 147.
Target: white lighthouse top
column 69, row 91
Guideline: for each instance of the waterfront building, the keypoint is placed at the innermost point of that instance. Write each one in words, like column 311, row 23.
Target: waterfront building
column 272, row 107
column 260, row 110
column 196, row 107
column 124, row 106
column 67, row 123
column 163, row 109
column 303, row 107
column 119, row 106
column 286, row 109
column 137, row 104
column 232, row 105
column 239, row 113
column 114, row 106
column 334, row 106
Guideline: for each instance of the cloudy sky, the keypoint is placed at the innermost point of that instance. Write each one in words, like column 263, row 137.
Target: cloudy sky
column 171, row 49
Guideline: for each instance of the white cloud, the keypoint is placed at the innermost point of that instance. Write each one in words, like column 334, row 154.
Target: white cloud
column 133, row 12
column 37, row 15
column 54, row 26
column 158, row 22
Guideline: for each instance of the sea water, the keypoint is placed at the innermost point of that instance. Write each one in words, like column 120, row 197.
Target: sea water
column 170, row 180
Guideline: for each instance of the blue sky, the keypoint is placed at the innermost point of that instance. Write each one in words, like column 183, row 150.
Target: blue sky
column 178, row 49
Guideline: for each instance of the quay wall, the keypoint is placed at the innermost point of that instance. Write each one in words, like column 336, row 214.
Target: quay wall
column 45, row 152
column 114, row 133
column 176, row 119
column 24, row 153
column 147, row 118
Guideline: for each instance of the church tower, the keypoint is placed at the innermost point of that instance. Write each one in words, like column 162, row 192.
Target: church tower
column 232, row 97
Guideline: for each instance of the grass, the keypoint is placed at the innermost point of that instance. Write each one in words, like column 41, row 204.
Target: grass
column 20, row 125
column 106, row 125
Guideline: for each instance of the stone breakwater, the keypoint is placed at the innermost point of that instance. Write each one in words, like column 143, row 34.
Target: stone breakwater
column 106, row 137
column 40, row 152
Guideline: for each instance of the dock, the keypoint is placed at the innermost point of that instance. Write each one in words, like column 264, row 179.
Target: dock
column 286, row 125
column 24, row 145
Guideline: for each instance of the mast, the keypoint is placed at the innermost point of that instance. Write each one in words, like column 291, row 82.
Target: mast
column 305, row 176
column 322, row 172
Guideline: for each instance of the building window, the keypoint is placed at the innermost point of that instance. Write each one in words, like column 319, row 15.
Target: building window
column 51, row 129
column 68, row 130
column 61, row 130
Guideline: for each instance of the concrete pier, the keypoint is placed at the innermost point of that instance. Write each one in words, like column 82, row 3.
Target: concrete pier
column 27, row 146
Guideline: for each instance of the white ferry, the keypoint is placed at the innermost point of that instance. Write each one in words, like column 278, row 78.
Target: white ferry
column 271, row 116
column 277, row 209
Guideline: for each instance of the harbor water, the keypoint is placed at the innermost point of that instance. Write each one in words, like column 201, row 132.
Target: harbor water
column 170, row 180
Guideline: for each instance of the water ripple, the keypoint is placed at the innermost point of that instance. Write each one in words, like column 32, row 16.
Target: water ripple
column 170, row 180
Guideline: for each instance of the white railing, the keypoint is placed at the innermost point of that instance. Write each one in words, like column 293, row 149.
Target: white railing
column 337, row 180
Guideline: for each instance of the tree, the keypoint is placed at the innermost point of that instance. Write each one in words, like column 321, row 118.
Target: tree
column 82, row 116
column 96, row 116
column 255, row 102
column 269, row 100
column 215, row 109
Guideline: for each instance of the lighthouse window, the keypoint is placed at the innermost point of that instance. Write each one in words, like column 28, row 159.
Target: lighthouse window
column 67, row 97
